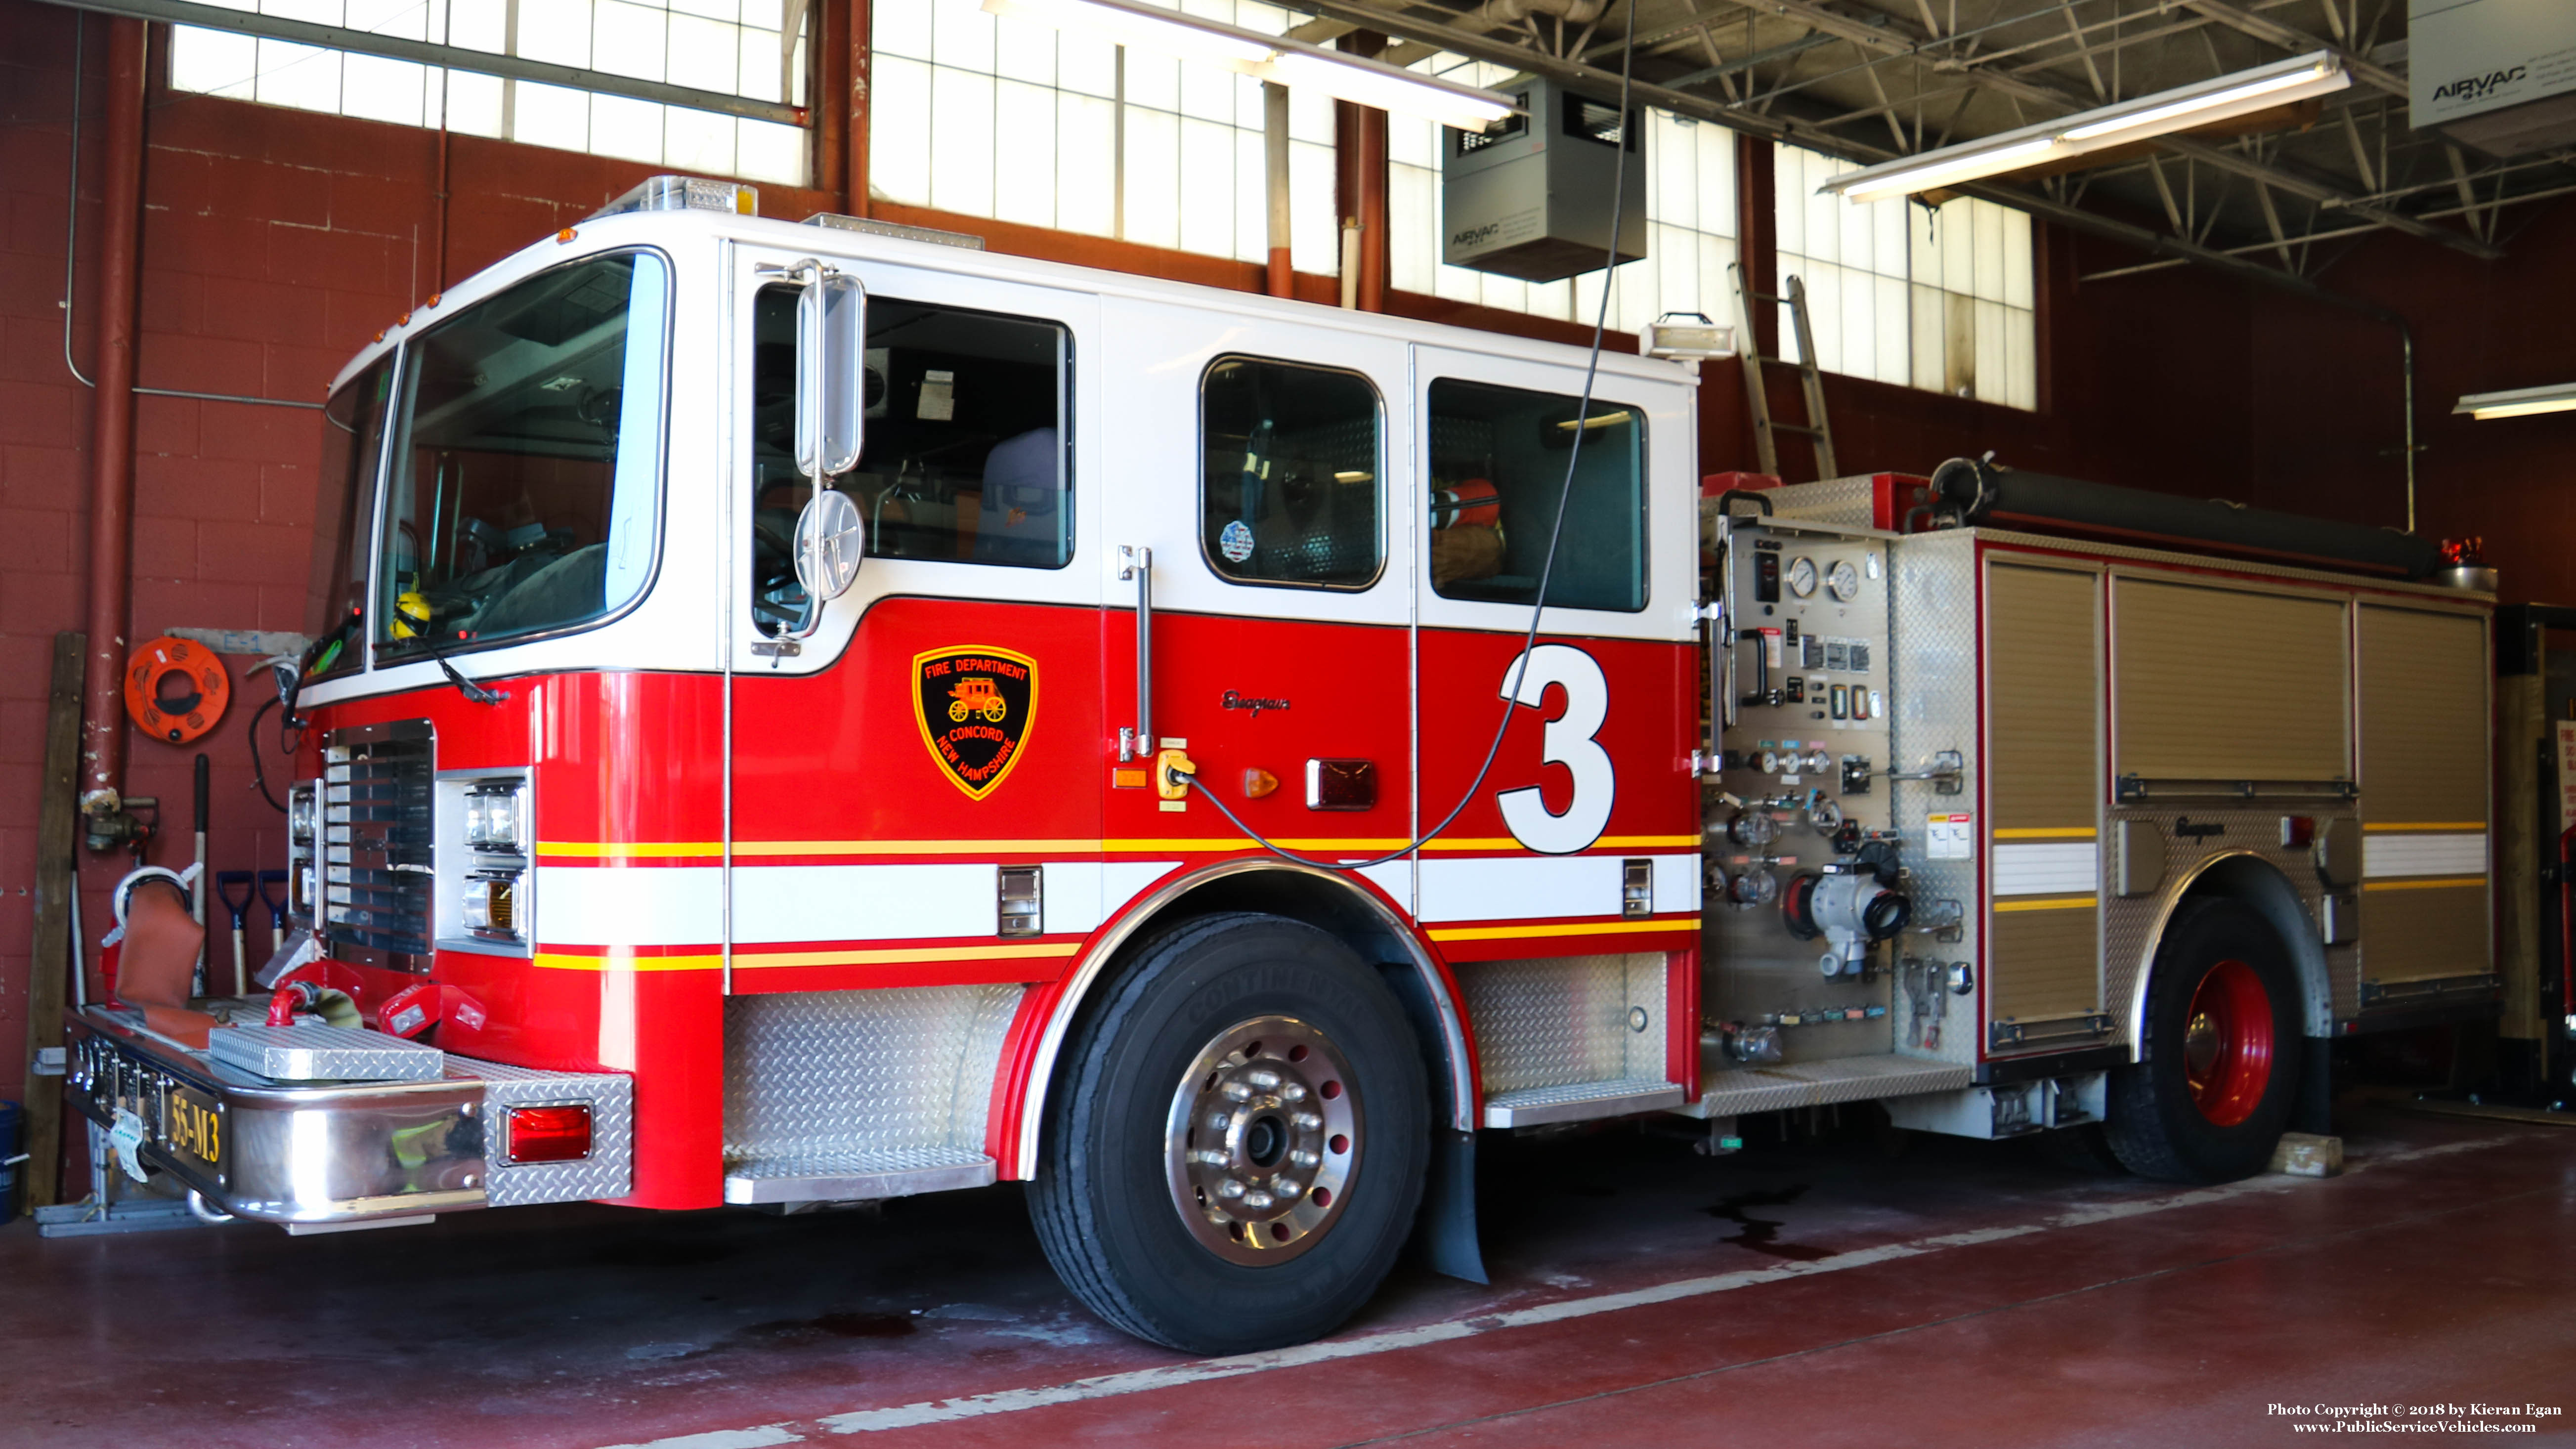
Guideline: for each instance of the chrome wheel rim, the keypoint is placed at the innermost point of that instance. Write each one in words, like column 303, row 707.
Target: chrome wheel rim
column 1264, row 1134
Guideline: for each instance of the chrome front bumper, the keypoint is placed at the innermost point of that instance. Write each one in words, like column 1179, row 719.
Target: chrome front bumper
column 323, row 1152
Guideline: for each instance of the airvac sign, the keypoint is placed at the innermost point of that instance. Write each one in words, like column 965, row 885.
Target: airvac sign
column 2468, row 57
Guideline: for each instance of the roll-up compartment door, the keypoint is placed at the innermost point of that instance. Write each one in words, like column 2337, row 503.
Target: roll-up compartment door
column 2221, row 684
column 2424, row 723
column 2044, row 798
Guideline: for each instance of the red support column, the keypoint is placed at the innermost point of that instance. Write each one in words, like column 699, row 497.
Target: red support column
column 111, row 531
column 856, row 102
column 826, row 109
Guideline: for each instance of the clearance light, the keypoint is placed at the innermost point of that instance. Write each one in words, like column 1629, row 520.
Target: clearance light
column 2520, row 402
column 2180, row 109
column 545, row 1134
column 1357, row 79
column 681, row 193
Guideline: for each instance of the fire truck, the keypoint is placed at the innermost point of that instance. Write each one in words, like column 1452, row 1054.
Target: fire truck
column 808, row 714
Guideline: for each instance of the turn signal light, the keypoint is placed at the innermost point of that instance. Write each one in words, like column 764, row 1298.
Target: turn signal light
column 546, row 1134
column 2298, row 831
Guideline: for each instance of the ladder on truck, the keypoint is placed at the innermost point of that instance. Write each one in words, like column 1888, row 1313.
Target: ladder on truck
column 1818, row 428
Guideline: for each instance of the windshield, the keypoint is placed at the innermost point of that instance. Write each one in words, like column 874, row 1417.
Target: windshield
column 527, row 465
column 353, row 435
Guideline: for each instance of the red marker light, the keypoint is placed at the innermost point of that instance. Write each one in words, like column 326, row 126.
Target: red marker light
column 2298, row 831
column 546, row 1134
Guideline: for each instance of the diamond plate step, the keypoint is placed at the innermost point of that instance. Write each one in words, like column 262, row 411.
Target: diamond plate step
column 1580, row 1101
column 855, row 1176
column 1815, row 1084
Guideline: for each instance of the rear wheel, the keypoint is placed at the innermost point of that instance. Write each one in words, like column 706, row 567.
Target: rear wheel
column 2222, row 1050
column 1237, row 1146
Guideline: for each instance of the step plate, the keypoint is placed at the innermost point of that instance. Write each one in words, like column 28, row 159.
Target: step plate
column 1815, row 1084
column 1580, row 1101
column 855, row 1176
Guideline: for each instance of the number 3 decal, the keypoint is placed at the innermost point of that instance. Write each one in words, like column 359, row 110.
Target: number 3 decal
column 1568, row 741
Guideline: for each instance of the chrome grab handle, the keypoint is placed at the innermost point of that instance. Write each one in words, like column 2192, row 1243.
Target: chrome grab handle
column 1138, row 563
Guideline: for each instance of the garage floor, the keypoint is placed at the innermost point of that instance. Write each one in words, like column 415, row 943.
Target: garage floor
column 1855, row 1290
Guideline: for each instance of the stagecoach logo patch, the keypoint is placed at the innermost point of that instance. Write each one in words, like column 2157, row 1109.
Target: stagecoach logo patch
column 975, row 704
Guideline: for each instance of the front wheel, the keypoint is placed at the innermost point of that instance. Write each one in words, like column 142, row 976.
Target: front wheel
column 1237, row 1147
column 2222, row 1050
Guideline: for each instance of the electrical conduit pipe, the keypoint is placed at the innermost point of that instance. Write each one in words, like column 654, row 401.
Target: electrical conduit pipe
column 111, row 520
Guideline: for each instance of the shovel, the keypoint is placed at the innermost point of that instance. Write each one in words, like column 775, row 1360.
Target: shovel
column 248, row 881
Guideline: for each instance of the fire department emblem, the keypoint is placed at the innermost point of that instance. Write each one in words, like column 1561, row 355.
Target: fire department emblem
column 974, row 705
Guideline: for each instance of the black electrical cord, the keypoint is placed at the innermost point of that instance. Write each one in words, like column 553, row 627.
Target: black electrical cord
column 258, row 769
column 1555, row 532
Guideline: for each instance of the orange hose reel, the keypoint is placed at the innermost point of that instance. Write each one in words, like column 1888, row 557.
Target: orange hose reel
column 199, row 689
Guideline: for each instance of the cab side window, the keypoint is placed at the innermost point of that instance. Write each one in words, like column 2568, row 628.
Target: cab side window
column 1499, row 458
column 1289, row 488
column 969, row 445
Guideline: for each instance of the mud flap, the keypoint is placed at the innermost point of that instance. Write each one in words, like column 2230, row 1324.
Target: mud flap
column 1445, row 1233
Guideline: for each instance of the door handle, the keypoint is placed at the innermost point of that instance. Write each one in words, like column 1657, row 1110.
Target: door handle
column 1137, row 563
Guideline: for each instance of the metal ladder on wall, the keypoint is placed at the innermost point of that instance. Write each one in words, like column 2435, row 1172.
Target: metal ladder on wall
column 1818, row 428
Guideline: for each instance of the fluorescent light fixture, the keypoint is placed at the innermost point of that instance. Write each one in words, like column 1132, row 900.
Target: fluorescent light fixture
column 1358, row 79
column 2520, row 402
column 1363, row 81
column 2180, row 109
column 1148, row 28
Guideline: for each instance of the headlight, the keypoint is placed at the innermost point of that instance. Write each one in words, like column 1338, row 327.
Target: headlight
column 495, row 817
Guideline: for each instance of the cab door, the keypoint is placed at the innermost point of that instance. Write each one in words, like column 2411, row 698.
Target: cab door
column 911, row 780
column 1583, row 837
column 1264, row 462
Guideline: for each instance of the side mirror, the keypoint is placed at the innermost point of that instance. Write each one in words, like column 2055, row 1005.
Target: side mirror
column 831, row 358
column 831, row 415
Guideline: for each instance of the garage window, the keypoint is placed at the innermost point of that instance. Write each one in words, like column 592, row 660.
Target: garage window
column 1290, row 485
column 1499, row 459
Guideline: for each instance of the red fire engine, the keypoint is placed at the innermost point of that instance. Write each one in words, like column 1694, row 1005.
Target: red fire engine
column 807, row 714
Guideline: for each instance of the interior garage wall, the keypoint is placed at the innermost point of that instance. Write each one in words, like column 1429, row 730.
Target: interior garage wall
column 276, row 241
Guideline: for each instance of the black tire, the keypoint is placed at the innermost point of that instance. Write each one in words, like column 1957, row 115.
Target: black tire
column 1107, row 1194
column 2157, row 1125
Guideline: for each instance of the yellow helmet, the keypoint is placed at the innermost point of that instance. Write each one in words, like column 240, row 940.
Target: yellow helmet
column 411, row 615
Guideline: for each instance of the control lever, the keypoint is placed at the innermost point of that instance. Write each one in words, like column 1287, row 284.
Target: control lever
column 1946, row 774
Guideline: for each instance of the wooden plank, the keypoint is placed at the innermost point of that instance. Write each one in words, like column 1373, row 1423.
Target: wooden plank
column 57, row 812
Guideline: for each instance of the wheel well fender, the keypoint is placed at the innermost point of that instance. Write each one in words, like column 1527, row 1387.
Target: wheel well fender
column 1321, row 898
column 2244, row 876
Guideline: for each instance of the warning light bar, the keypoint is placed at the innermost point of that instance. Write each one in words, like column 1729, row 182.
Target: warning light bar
column 685, row 193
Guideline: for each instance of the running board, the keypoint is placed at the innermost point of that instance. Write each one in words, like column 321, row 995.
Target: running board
column 1739, row 1090
column 855, row 1176
column 1580, row 1101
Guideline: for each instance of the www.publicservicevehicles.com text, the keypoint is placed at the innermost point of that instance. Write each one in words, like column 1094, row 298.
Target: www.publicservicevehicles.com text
column 2471, row 1418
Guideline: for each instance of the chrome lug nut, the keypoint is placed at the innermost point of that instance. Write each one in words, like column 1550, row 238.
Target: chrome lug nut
column 1265, row 1079
column 1292, row 1093
column 1286, row 1187
column 1237, row 1092
column 1257, row 1200
column 1210, row 1156
column 1307, row 1120
column 1229, row 1188
column 1219, row 1121
column 1306, row 1159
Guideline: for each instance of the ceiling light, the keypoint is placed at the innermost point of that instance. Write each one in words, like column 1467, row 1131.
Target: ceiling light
column 2180, row 109
column 1358, row 79
column 1146, row 27
column 1374, row 83
column 2519, row 402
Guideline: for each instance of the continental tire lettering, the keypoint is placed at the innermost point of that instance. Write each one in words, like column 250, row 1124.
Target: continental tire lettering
column 1566, row 740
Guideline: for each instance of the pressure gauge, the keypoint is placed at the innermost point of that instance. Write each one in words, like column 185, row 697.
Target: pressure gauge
column 1770, row 762
column 1818, row 761
column 1843, row 582
column 1802, row 577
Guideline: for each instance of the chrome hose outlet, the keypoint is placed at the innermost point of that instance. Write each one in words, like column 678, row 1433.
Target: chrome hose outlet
column 204, row 1211
column 1264, row 1133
